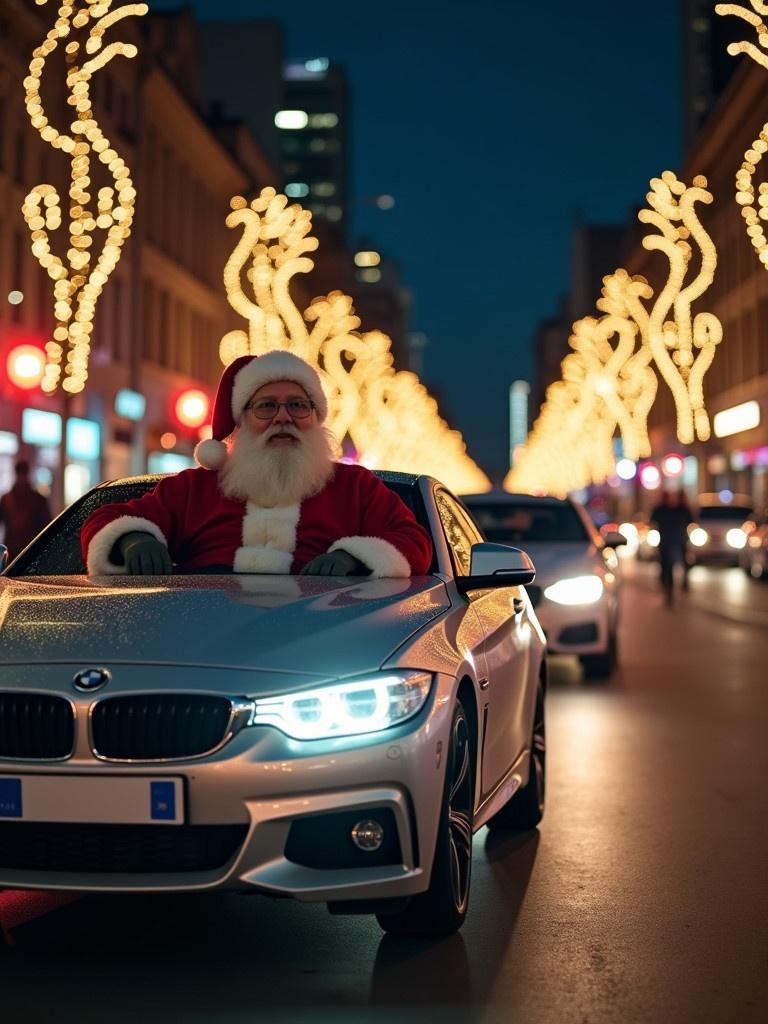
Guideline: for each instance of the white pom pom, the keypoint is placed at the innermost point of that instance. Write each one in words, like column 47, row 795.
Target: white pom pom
column 211, row 454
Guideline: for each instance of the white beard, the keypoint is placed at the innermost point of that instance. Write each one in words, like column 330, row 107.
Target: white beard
column 280, row 475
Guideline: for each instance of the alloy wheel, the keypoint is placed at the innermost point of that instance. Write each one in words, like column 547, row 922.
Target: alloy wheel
column 460, row 798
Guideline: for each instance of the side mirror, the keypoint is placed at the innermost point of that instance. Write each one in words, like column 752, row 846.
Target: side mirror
column 496, row 565
column 4, row 558
column 614, row 539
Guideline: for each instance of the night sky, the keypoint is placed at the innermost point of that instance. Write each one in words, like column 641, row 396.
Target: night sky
column 493, row 123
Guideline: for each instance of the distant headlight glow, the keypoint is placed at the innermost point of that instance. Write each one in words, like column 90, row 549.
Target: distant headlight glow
column 579, row 590
column 699, row 537
column 736, row 539
column 346, row 709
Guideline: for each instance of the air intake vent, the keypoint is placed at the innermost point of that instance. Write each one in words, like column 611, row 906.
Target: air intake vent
column 36, row 727
column 111, row 849
column 159, row 727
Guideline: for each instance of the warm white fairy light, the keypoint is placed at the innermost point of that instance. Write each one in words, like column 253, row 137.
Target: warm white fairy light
column 78, row 281
column 754, row 207
column 608, row 381
column 389, row 416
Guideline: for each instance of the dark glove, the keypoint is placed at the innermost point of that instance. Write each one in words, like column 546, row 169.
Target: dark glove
column 144, row 555
column 335, row 563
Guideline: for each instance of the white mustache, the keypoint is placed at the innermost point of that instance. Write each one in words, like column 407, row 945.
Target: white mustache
column 283, row 429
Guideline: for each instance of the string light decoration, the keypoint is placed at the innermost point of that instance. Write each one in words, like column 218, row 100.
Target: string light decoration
column 389, row 416
column 80, row 280
column 754, row 209
column 674, row 343
column 606, row 386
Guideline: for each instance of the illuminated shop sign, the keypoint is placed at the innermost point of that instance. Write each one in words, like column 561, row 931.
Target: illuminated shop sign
column 83, row 440
column 41, row 428
column 130, row 404
column 9, row 443
column 737, row 418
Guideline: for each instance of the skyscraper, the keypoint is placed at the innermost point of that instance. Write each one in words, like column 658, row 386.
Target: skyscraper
column 313, row 139
column 707, row 66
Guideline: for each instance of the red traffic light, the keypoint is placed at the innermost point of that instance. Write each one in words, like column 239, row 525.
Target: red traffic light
column 25, row 366
column 192, row 408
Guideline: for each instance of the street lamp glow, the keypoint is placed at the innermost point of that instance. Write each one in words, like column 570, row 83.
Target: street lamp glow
column 650, row 476
column 626, row 469
column 672, row 465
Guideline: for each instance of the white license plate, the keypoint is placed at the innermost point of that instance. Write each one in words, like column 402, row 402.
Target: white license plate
column 102, row 800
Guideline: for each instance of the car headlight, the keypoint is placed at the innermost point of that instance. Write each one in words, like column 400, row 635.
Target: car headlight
column 736, row 538
column 699, row 537
column 346, row 709
column 579, row 590
column 652, row 539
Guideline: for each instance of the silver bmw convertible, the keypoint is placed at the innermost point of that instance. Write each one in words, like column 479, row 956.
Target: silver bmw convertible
column 323, row 738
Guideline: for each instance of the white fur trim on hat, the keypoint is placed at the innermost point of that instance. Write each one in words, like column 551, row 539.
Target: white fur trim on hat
column 99, row 563
column 378, row 555
column 272, row 366
column 211, row 454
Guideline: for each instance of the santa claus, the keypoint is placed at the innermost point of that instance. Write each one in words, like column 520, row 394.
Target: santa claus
column 269, row 496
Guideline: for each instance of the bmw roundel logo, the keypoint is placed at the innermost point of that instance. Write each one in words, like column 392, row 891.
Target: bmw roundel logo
column 91, row 679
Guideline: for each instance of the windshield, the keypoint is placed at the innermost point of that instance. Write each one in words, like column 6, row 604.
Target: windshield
column 723, row 513
column 516, row 523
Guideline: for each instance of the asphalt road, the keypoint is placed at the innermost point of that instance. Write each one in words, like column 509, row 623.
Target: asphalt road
column 642, row 897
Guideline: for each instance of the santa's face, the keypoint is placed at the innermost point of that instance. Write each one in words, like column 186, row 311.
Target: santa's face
column 280, row 458
column 278, row 428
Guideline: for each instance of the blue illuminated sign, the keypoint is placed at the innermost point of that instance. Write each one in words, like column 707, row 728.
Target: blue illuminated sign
column 41, row 428
column 83, row 439
column 130, row 404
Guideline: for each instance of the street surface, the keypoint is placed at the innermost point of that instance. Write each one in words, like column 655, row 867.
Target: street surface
column 642, row 897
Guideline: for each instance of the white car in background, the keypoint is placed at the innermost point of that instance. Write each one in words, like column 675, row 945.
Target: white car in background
column 576, row 593
column 719, row 534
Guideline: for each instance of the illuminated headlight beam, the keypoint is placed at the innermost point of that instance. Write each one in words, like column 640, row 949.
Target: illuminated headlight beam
column 351, row 708
column 578, row 590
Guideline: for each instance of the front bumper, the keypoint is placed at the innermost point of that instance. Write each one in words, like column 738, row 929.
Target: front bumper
column 258, row 789
column 576, row 629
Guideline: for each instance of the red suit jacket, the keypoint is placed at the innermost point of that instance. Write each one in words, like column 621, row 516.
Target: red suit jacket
column 201, row 527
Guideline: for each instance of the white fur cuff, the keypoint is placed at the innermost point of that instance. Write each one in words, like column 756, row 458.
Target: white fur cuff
column 381, row 557
column 102, row 543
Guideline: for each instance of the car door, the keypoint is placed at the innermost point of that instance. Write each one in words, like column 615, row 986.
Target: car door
column 504, row 650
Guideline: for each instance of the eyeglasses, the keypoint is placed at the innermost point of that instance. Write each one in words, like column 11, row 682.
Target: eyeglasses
column 267, row 408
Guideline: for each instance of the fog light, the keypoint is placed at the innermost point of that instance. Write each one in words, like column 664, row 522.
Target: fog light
column 368, row 835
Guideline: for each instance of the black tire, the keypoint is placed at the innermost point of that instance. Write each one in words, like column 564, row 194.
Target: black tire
column 600, row 666
column 442, row 908
column 526, row 808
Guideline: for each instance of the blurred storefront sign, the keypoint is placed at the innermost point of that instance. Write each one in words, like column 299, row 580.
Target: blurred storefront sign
column 131, row 405
column 41, row 428
column 739, row 417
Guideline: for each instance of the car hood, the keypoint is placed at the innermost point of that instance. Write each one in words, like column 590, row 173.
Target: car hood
column 560, row 561
column 314, row 626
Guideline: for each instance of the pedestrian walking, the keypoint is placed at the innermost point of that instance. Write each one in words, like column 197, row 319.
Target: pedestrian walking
column 672, row 517
column 23, row 511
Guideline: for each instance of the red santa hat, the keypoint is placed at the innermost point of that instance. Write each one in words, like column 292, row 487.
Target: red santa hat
column 238, row 383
